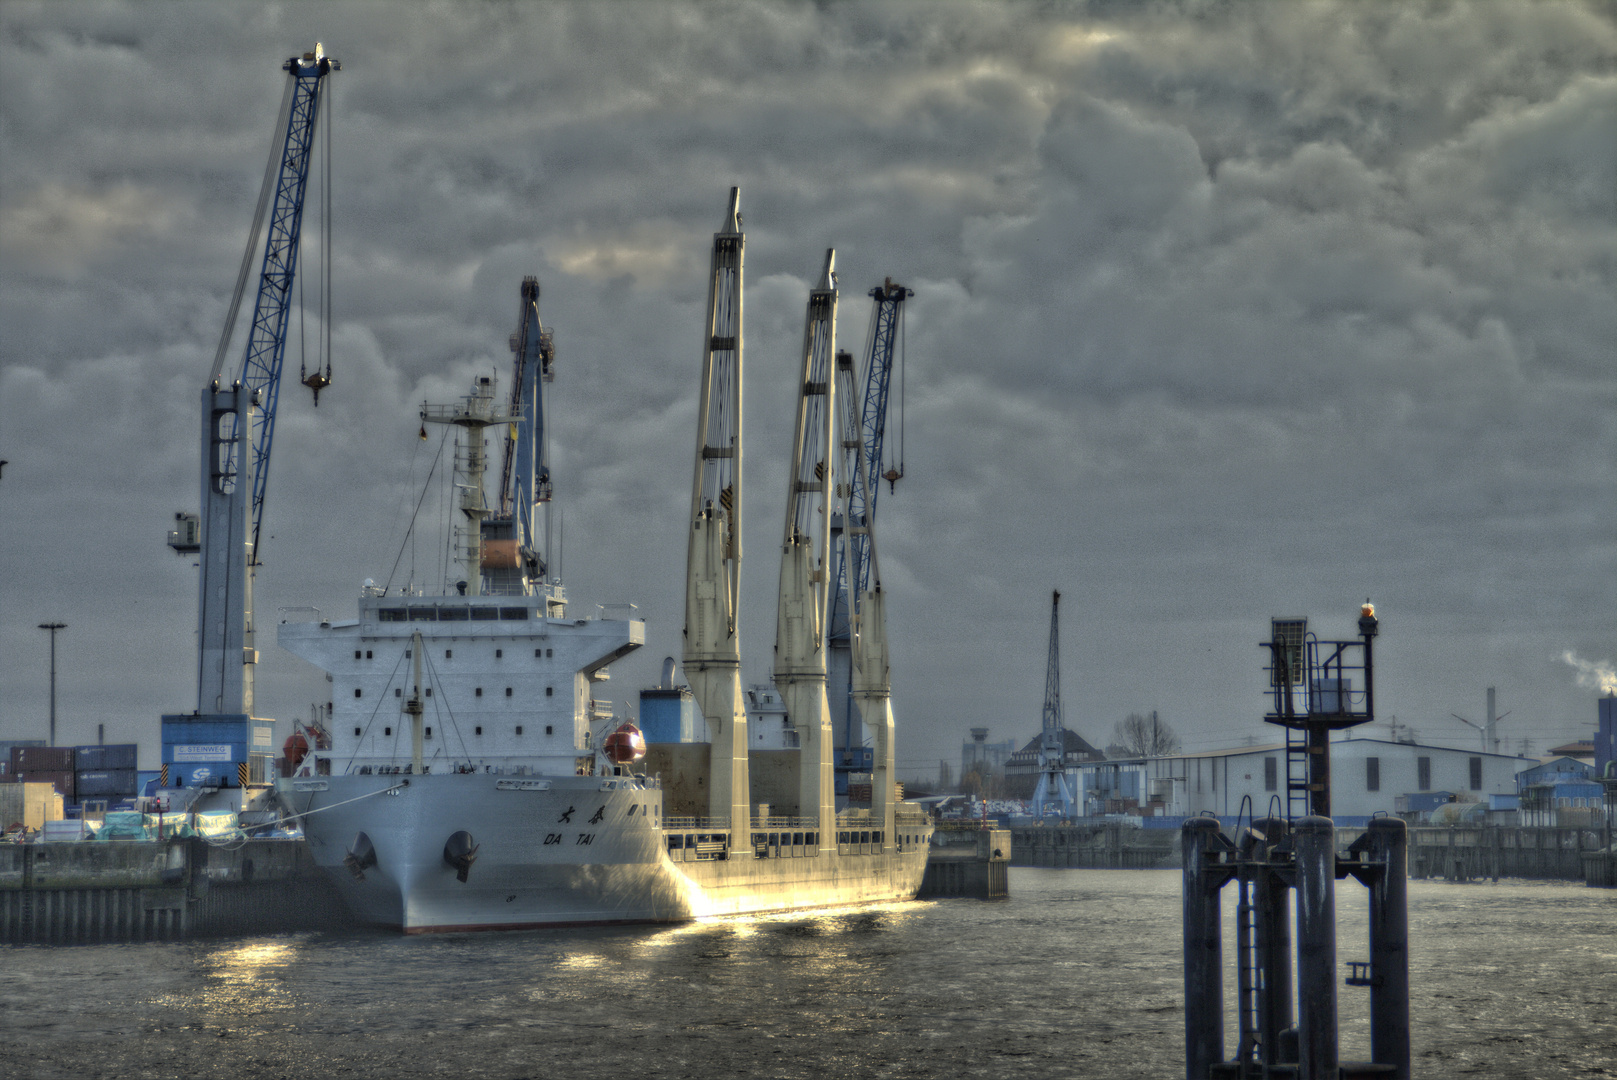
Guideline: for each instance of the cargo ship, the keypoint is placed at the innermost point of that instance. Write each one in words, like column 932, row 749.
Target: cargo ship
column 469, row 778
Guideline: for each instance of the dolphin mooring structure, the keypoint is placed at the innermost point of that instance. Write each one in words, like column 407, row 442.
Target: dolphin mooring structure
column 1276, row 861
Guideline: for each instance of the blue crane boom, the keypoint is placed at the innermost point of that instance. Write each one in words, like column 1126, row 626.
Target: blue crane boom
column 266, row 341
column 862, row 451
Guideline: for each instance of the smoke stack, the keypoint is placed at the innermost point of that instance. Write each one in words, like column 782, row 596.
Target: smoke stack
column 1490, row 740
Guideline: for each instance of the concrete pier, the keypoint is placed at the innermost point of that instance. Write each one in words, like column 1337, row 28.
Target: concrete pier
column 118, row 891
column 974, row 864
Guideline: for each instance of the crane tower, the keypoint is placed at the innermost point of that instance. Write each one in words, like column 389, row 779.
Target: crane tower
column 1056, row 793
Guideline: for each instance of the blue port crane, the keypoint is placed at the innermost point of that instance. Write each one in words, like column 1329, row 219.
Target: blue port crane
column 228, row 531
column 863, row 449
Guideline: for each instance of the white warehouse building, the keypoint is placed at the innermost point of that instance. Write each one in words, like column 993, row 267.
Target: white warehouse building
column 1367, row 777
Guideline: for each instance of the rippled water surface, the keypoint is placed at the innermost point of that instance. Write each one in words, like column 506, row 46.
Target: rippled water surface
column 1077, row 975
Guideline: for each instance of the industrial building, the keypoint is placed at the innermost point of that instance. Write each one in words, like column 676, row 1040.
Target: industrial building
column 1367, row 777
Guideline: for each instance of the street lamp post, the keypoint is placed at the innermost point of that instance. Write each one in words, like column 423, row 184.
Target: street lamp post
column 53, row 627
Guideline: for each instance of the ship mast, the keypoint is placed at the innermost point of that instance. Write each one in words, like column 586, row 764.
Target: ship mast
column 476, row 412
column 713, row 565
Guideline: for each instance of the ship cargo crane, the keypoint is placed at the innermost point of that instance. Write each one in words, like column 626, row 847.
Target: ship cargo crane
column 800, row 639
column 864, row 432
column 1056, row 793
column 227, row 533
column 713, row 564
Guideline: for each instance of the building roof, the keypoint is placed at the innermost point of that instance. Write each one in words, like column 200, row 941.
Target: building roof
column 1072, row 745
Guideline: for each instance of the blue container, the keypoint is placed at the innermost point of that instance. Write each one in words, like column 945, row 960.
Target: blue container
column 105, row 783
column 98, row 758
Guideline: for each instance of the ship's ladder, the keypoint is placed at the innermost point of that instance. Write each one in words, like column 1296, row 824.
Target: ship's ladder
column 1297, row 774
column 1249, row 975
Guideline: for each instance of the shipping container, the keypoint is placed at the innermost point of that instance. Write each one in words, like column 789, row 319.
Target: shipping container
column 33, row 759
column 61, row 780
column 29, row 804
column 100, row 758
column 104, row 782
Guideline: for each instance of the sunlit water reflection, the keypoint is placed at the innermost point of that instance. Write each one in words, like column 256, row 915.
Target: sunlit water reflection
column 1078, row 974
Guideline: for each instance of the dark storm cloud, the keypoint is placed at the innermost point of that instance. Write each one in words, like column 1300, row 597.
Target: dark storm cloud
column 1221, row 312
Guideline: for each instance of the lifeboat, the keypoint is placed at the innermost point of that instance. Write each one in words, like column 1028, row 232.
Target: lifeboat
column 624, row 745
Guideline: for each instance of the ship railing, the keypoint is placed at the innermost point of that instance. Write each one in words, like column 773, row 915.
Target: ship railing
column 616, row 611
column 695, row 824
column 779, row 823
column 300, row 614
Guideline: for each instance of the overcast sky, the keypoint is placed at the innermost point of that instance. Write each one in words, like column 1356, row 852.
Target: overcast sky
column 1222, row 312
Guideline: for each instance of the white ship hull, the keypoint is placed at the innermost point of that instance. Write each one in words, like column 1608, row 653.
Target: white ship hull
column 573, row 851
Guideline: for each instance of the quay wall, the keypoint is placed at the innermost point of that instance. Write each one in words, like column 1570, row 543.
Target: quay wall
column 170, row 890
column 1449, row 852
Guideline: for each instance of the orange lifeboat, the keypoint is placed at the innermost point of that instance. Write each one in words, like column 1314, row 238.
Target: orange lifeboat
column 624, row 745
column 294, row 749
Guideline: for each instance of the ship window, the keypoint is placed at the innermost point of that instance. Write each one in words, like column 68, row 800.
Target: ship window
column 507, row 691
column 485, row 614
column 550, row 691
column 498, row 653
column 407, row 654
column 429, row 691
column 550, row 652
column 356, row 733
column 513, row 613
column 397, row 692
column 356, row 654
column 538, row 653
column 479, row 730
column 369, row 655
column 387, row 731
column 519, row 729
column 550, row 729
column 358, row 692
column 449, row 654
column 453, row 614
column 424, row 614
column 479, row 692
column 390, row 614
column 428, row 735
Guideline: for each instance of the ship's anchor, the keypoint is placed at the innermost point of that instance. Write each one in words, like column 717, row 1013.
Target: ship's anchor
column 361, row 854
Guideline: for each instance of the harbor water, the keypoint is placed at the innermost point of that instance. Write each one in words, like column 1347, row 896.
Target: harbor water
column 1077, row 974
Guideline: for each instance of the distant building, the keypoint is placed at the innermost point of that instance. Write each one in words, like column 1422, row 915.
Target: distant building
column 984, row 758
column 1560, row 791
column 1606, row 738
column 1022, row 768
column 1367, row 777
